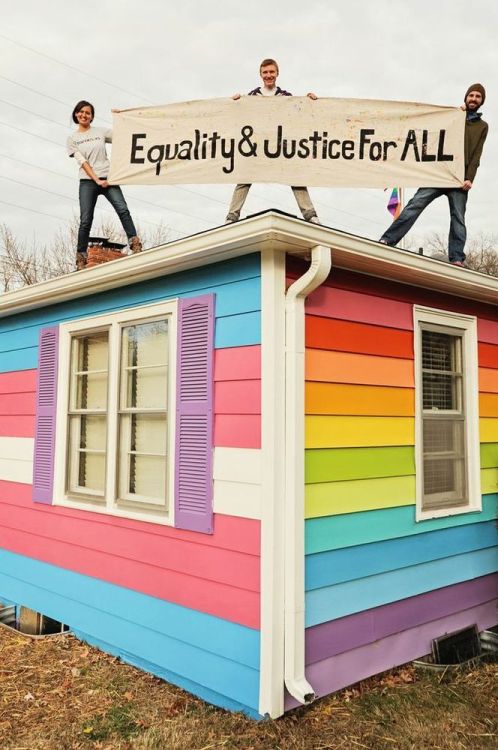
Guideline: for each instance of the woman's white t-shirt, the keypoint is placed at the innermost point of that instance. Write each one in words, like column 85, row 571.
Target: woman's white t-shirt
column 89, row 146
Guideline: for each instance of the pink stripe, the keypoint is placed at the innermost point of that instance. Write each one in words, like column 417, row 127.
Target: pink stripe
column 238, row 363
column 346, row 669
column 21, row 381
column 237, row 397
column 228, row 603
column 237, row 430
column 230, row 532
column 17, row 426
column 15, row 404
column 364, row 308
column 164, row 562
column 487, row 331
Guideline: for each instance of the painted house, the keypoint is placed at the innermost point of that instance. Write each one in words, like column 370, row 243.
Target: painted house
column 260, row 462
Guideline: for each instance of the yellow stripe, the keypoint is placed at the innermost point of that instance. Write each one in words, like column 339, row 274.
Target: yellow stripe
column 488, row 429
column 489, row 480
column 336, row 498
column 344, row 432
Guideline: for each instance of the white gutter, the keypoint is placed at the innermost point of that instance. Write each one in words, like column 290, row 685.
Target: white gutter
column 295, row 679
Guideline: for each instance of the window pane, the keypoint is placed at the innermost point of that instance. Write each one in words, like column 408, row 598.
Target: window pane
column 446, row 476
column 438, row 351
column 444, row 436
column 89, row 368
column 441, row 371
column 440, row 392
column 142, row 458
column 147, row 388
column 445, row 480
column 146, row 479
column 144, row 361
column 87, row 454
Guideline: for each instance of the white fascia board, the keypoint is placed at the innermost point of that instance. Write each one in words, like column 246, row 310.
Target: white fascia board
column 271, row 695
column 267, row 231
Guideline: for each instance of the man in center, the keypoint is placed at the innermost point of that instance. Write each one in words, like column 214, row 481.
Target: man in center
column 269, row 71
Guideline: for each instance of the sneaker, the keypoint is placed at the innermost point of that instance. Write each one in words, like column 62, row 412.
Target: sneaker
column 231, row 219
column 136, row 245
column 458, row 263
column 314, row 220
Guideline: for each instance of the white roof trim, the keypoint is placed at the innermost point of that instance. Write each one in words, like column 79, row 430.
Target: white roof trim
column 269, row 230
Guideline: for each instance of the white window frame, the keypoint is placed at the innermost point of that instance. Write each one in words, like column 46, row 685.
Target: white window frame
column 466, row 327
column 115, row 320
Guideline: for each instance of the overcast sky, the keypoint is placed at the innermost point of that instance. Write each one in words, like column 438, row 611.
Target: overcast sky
column 119, row 53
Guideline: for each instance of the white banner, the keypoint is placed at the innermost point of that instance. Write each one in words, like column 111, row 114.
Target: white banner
column 290, row 140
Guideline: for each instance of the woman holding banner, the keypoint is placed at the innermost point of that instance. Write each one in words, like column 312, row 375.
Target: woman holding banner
column 87, row 146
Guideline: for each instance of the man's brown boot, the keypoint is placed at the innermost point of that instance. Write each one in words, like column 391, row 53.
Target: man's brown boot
column 136, row 245
column 81, row 260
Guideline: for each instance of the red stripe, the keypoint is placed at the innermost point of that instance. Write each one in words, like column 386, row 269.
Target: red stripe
column 488, row 356
column 344, row 336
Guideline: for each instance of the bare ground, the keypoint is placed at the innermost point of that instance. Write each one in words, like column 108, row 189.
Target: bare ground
column 60, row 694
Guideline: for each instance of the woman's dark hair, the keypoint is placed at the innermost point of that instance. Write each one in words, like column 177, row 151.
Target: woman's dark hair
column 79, row 106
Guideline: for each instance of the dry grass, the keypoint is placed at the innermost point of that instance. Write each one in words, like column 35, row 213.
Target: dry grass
column 60, row 694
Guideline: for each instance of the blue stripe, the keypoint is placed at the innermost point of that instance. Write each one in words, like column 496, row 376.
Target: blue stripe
column 237, row 298
column 187, row 283
column 333, row 602
column 237, row 322
column 192, row 687
column 235, row 330
column 338, row 566
column 353, row 529
column 238, row 330
column 221, row 656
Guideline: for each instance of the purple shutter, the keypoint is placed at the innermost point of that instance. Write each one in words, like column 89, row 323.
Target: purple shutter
column 194, row 415
column 46, row 402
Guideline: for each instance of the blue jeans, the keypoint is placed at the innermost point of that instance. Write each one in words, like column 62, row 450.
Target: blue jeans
column 457, row 199
column 89, row 192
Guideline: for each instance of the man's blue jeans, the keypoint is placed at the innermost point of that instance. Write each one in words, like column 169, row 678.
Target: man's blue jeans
column 89, row 192
column 457, row 199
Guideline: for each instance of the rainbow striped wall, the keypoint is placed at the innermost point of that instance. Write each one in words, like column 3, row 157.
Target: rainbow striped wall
column 379, row 586
column 181, row 604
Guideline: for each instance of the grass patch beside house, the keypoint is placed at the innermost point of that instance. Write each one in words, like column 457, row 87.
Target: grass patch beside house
column 60, row 694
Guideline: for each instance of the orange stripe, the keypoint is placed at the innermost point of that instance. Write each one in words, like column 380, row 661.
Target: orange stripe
column 341, row 335
column 488, row 380
column 488, row 404
column 341, row 367
column 329, row 398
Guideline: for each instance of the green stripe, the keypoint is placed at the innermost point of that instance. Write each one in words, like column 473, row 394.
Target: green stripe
column 354, row 496
column 351, row 529
column 489, row 455
column 341, row 464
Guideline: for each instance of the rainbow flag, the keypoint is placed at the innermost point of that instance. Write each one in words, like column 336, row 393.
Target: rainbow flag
column 394, row 203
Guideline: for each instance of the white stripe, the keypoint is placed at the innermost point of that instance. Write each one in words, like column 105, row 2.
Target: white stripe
column 16, row 459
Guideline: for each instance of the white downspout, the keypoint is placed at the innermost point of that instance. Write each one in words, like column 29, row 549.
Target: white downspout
column 295, row 679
